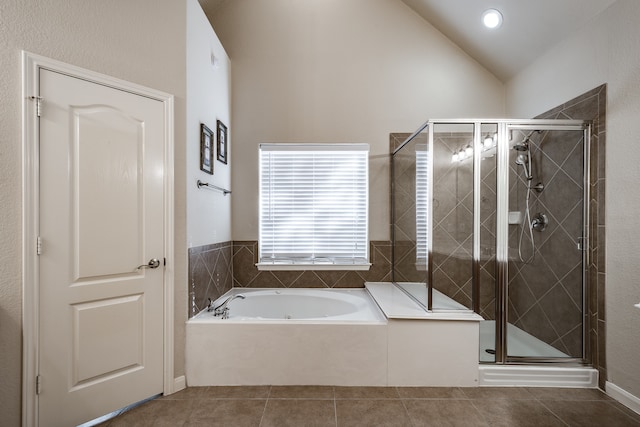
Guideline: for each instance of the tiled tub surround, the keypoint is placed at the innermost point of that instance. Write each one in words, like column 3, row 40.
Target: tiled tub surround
column 214, row 269
column 210, row 274
column 409, row 348
column 247, row 275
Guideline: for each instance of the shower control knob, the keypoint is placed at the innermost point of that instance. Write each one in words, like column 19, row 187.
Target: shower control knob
column 539, row 222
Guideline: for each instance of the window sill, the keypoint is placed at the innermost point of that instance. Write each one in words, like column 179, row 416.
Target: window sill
column 301, row 267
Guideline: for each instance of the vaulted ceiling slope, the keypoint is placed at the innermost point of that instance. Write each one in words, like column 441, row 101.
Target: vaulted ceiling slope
column 530, row 27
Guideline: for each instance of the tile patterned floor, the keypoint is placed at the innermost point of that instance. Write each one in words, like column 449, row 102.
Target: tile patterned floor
column 281, row 406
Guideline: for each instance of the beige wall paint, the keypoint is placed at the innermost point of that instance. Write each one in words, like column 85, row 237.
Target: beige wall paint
column 208, row 100
column 142, row 41
column 339, row 71
column 605, row 51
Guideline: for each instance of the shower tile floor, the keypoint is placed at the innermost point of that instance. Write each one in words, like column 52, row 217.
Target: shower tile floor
column 263, row 406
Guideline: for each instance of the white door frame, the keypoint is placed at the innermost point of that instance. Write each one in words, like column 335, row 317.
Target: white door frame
column 31, row 64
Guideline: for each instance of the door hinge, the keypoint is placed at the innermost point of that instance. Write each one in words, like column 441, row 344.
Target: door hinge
column 38, row 100
column 39, row 246
column 38, row 384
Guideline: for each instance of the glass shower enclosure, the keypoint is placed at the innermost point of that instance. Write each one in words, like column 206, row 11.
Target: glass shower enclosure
column 491, row 216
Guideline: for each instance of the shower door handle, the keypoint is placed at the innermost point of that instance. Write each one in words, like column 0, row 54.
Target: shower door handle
column 153, row 263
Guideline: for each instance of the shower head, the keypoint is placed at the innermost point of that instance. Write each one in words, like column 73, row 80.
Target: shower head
column 522, row 146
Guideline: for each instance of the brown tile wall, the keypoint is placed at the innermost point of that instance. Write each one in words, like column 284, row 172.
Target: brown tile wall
column 592, row 106
column 210, row 274
column 214, row 269
column 247, row 275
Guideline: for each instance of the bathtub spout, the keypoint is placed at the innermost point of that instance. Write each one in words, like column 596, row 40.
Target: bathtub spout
column 223, row 309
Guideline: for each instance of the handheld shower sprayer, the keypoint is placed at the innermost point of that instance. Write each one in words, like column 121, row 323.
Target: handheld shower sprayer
column 525, row 161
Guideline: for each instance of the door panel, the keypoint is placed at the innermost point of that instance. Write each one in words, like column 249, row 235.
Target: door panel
column 101, row 216
column 91, row 343
column 546, row 282
column 109, row 163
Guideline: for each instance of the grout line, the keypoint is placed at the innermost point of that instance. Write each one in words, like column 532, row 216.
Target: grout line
column 404, row 405
column 549, row 409
column 335, row 407
column 266, row 402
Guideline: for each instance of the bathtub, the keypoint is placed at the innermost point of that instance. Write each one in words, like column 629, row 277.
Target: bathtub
column 289, row 337
column 372, row 336
column 297, row 305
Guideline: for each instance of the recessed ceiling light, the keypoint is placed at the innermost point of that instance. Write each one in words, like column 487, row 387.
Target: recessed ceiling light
column 492, row 18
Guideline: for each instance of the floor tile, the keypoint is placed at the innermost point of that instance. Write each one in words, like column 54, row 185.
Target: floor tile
column 299, row 412
column 449, row 412
column 366, row 393
column 514, row 412
column 591, row 413
column 235, row 392
column 548, row 393
column 228, row 412
column 371, row 412
column 431, row 393
column 511, row 393
column 155, row 412
column 301, row 392
column 187, row 393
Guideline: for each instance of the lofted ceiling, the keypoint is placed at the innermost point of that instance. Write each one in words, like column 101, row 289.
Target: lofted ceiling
column 529, row 29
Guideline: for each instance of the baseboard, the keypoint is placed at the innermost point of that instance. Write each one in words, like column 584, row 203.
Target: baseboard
column 627, row 399
column 179, row 383
column 537, row 376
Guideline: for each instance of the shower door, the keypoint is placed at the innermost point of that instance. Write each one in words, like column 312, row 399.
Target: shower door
column 543, row 299
column 490, row 216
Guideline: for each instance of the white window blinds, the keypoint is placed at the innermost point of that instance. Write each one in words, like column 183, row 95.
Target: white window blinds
column 314, row 204
column 422, row 190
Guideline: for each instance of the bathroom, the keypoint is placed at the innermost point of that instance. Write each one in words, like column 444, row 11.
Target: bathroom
column 303, row 76
column 477, row 97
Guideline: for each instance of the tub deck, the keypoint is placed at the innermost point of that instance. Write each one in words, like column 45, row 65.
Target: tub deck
column 436, row 350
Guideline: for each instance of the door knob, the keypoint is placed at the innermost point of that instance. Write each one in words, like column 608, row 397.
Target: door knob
column 153, row 263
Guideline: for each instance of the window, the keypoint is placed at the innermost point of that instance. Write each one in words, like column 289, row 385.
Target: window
column 314, row 206
column 422, row 190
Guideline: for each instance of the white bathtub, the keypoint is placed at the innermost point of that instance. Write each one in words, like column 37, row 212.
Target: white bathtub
column 289, row 305
column 289, row 337
column 331, row 337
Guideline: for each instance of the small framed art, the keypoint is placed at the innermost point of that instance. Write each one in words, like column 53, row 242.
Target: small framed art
column 206, row 149
column 223, row 142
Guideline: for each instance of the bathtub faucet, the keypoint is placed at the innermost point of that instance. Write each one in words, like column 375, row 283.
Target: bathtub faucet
column 223, row 309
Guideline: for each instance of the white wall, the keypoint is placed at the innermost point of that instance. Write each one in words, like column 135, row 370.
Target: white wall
column 606, row 51
column 208, row 100
column 142, row 41
column 339, row 71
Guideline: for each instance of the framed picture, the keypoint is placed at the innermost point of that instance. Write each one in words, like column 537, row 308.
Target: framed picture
column 206, row 149
column 223, row 141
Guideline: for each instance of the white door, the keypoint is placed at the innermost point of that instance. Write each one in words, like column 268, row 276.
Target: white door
column 101, row 216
